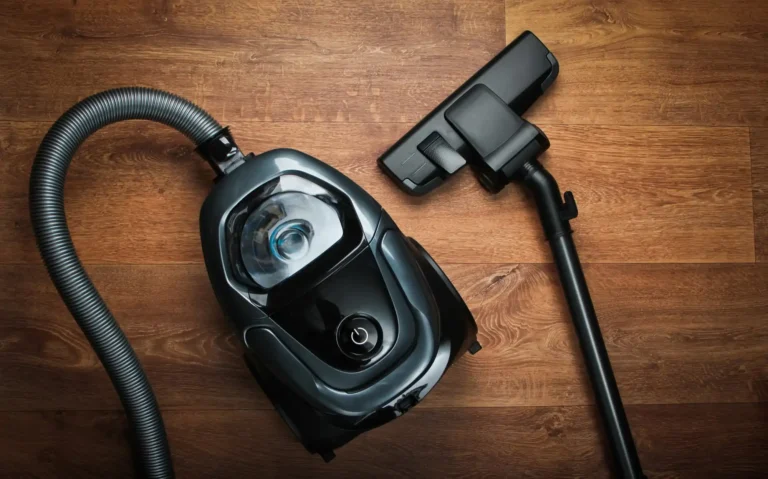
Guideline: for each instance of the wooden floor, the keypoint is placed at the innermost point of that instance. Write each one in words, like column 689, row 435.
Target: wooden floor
column 658, row 123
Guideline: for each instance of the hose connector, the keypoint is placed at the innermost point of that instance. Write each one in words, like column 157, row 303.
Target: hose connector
column 221, row 152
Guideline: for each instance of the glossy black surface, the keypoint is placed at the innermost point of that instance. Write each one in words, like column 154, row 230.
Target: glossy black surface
column 357, row 289
column 519, row 75
column 293, row 339
column 418, row 325
column 456, row 320
column 358, row 337
column 503, row 141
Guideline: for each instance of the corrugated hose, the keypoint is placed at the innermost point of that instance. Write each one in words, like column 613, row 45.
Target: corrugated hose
column 46, row 204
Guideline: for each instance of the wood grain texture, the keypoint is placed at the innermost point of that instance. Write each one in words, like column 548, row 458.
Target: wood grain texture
column 676, row 334
column 304, row 60
column 651, row 194
column 759, row 153
column 676, row 441
column 690, row 62
column 658, row 125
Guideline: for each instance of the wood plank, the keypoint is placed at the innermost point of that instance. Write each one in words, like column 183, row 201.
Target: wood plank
column 306, row 60
column 690, row 62
column 645, row 194
column 759, row 153
column 171, row 317
column 675, row 333
column 653, row 122
column 675, row 441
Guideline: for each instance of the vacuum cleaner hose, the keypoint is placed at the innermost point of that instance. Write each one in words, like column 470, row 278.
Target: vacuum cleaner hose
column 46, row 201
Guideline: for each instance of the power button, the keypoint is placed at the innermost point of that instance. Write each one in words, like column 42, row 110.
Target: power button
column 358, row 337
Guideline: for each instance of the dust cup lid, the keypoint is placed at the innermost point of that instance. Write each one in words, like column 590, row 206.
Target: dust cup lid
column 285, row 233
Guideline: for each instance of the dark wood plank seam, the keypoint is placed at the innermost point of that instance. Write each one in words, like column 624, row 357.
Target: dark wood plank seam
column 419, row 408
column 752, row 195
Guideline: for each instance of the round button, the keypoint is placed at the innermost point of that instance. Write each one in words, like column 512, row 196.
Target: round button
column 358, row 337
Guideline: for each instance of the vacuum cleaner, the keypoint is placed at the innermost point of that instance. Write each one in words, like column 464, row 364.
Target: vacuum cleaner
column 346, row 323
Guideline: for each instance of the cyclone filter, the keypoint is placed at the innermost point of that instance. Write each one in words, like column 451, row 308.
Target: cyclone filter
column 285, row 233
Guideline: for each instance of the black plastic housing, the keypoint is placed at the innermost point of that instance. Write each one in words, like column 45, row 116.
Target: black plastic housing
column 290, row 330
column 433, row 150
column 502, row 140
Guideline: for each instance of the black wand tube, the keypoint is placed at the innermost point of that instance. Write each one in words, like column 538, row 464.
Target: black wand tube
column 554, row 216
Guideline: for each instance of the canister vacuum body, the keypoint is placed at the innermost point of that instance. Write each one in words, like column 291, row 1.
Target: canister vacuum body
column 347, row 323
